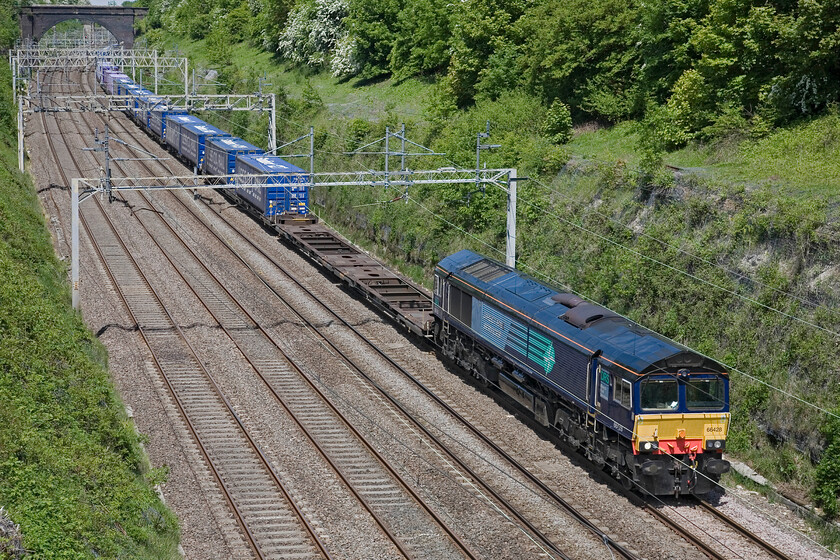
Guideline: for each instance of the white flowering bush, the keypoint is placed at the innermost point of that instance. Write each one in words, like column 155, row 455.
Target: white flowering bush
column 345, row 59
column 312, row 31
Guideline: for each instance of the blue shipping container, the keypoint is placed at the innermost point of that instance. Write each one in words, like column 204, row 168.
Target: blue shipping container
column 287, row 190
column 101, row 68
column 194, row 138
column 220, row 155
column 110, row 78
column 139, row 110
column 121, row 85
column 158, row 113
column 173, row 129
column 145, row 104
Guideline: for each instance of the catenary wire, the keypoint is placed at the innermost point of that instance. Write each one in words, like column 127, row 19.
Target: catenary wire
column 728, row 366
column 675, row 269
column 689, row 253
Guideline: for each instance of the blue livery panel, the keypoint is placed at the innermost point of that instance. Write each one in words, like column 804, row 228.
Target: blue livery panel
column 551, row 360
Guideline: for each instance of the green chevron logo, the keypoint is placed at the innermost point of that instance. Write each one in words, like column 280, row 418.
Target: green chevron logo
column 541, row 351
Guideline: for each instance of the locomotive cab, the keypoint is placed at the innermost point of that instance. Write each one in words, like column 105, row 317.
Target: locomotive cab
column 680, row 428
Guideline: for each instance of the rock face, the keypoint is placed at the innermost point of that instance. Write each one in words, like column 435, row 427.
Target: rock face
column 11, row 542
column 747, row 472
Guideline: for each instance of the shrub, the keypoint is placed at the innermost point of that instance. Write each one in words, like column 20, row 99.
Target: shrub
column 688, row 108
column 827, row 487
column 558, row 123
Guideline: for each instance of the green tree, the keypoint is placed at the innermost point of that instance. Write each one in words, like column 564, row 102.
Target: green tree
column 480, row 28
column 664, row 42
column 736, row 47
column 421, row 42
column 8, row 23
column 373, row 26
column 808, row 42
column 583, row 53
column 269, row 19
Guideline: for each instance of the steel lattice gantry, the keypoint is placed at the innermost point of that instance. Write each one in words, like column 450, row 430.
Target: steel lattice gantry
column 41, row 59
column 506, row 179
column 101, row 102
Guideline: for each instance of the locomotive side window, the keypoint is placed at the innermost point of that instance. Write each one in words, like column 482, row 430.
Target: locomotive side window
column 704, row 394
column 660, row 394
column 621, row 393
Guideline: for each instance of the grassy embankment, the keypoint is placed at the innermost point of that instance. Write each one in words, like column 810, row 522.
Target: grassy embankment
column 73, row 474
column 737, row 255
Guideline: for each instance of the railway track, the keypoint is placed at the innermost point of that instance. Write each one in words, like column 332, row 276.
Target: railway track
column 617, row 548
column 763, row 545
column 258, row 351
column 555, row 551
column 271, row 521
column 698, row 542
column 384, row 494
column 761, row 548
column 551, row 547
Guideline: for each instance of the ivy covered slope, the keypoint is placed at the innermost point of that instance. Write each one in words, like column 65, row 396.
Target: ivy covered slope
column 72, row 472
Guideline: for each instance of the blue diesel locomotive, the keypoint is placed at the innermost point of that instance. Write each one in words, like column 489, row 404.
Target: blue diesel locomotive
column 653, row 412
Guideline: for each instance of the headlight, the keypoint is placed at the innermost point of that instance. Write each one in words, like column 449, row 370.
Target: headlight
column 715, row 444
column 648, row 446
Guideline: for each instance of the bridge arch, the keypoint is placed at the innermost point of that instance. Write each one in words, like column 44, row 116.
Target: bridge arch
column 36, row 20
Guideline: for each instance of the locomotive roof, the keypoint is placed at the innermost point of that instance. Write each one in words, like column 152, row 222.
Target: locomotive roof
column 632, row 347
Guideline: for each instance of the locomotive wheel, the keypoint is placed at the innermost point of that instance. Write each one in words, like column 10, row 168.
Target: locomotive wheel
column 626, row 479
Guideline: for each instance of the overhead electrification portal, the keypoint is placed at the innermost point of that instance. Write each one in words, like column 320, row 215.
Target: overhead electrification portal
column 506, row 179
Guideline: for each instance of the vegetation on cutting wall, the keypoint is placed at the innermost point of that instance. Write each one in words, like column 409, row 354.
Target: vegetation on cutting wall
column 73, row 475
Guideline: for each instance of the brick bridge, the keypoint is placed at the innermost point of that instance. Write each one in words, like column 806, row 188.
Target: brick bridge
column 36, row 20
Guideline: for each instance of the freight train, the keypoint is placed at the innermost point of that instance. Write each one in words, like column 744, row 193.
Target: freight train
column 652, row 412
